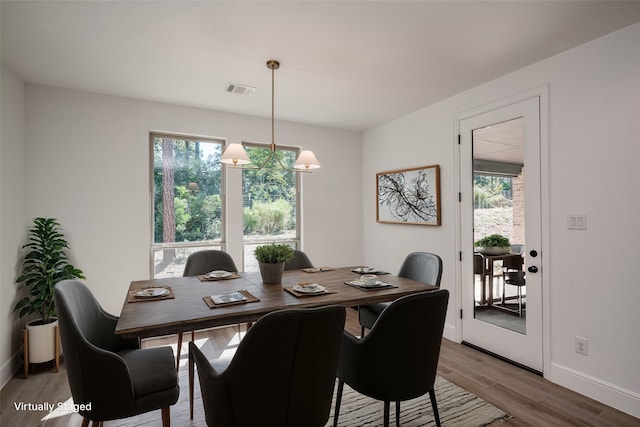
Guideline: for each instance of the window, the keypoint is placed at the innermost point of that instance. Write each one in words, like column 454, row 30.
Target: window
column 187, row 200
column 270, row 202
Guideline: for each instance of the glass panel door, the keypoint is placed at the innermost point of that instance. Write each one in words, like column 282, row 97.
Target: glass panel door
column 500, row 189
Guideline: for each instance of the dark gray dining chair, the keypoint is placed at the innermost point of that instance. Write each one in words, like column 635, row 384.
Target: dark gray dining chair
column 300, row 260
column 112, row 374
column 397, row 360
column 282, row 374
column 203, row 262
column 420, row 266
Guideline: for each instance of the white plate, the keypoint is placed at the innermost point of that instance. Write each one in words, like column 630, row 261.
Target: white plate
column 152, row 292
column 312, row 288
column 217, row 274
column 375, row 285
column 364, row 270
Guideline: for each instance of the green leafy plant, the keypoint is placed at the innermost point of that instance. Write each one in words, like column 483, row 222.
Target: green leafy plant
column 494, row 240
column 43, row 267
column 273, row 253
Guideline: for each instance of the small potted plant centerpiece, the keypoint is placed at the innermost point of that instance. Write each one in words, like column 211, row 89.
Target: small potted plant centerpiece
column 45, row 264
column 494, row 244
column 271, row 259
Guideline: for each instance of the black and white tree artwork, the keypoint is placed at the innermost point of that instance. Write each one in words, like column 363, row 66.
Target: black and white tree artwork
column 409, row 196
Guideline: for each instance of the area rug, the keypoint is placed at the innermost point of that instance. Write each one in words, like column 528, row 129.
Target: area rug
column 456, row 406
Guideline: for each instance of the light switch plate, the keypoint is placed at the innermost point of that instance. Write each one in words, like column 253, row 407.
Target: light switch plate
column 577, row 222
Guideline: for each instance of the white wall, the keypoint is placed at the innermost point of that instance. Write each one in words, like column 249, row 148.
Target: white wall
column 12, row 215
column 594, row 147
column 88, row 166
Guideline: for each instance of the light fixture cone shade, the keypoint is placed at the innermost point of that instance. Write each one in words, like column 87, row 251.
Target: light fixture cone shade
column 307, row 160
column 235, row 154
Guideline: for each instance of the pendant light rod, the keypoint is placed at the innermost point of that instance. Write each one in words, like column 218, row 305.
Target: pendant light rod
column 273, row 65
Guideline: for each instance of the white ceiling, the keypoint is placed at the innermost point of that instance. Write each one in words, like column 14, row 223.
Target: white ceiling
column 344, row 64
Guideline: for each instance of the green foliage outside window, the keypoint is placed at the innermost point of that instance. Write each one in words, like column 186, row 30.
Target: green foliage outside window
column 196, row 179
column 269, row 194
column 491, row 192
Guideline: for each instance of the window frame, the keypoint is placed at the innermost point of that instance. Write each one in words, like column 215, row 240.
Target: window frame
column 204, row 244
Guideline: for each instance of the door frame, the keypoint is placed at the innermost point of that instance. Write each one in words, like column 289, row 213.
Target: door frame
column 543, row 93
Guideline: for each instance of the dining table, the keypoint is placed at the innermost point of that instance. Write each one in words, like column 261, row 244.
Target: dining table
column 187, row 303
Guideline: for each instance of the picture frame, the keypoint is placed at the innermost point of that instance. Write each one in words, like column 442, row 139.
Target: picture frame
column 409, row 196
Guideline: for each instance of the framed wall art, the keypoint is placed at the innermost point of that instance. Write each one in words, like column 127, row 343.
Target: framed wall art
column 409, row 196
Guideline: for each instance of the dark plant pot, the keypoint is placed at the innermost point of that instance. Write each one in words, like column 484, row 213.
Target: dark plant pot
column 271, row 273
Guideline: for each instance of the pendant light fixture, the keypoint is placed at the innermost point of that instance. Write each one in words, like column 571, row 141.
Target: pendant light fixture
column 236, row 156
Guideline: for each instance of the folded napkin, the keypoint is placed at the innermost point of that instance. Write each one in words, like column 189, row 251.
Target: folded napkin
column 318, row 269
column 248, row 295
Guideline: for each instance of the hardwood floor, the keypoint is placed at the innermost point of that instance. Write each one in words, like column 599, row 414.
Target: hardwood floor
column 530, row 399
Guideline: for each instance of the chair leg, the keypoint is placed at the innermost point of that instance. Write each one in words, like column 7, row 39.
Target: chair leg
column 520, row 301
column 85, row 422
column 434, row 405
column 179, row 350
column 166, row 417
column 386, row 413
column 191, row 377
column 336, row 412
column 398, row 413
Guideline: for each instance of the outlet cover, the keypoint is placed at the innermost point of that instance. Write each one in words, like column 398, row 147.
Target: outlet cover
column 582, row 346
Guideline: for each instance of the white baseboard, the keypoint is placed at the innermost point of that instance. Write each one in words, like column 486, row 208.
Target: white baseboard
column 610, row 394
column 450, row 332
column 10, row 367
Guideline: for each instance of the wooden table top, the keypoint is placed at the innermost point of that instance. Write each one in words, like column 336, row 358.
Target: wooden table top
column 188, row 311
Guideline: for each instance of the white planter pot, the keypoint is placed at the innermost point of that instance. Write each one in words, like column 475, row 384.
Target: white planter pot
column 42, row 341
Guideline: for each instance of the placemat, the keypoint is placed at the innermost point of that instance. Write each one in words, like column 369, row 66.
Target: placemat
column 250, row 298
column 204, row 278
column 354, row 283
column 359, row 271
column 303, row 295
column 318, row 269
column 131, row 296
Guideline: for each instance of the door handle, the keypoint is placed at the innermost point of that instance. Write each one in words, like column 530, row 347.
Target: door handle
column 532, row 269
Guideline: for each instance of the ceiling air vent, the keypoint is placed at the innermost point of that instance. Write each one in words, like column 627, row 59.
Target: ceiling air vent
column 240, row 89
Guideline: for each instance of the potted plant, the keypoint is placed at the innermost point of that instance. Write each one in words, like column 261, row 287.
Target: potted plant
column 271, row 259
column 494, row 244
column 45, row 264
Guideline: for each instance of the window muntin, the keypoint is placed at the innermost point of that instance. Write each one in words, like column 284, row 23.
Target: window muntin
column 187, row 200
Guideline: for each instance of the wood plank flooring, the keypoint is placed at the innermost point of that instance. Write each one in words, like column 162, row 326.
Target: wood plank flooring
column 530, row 399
